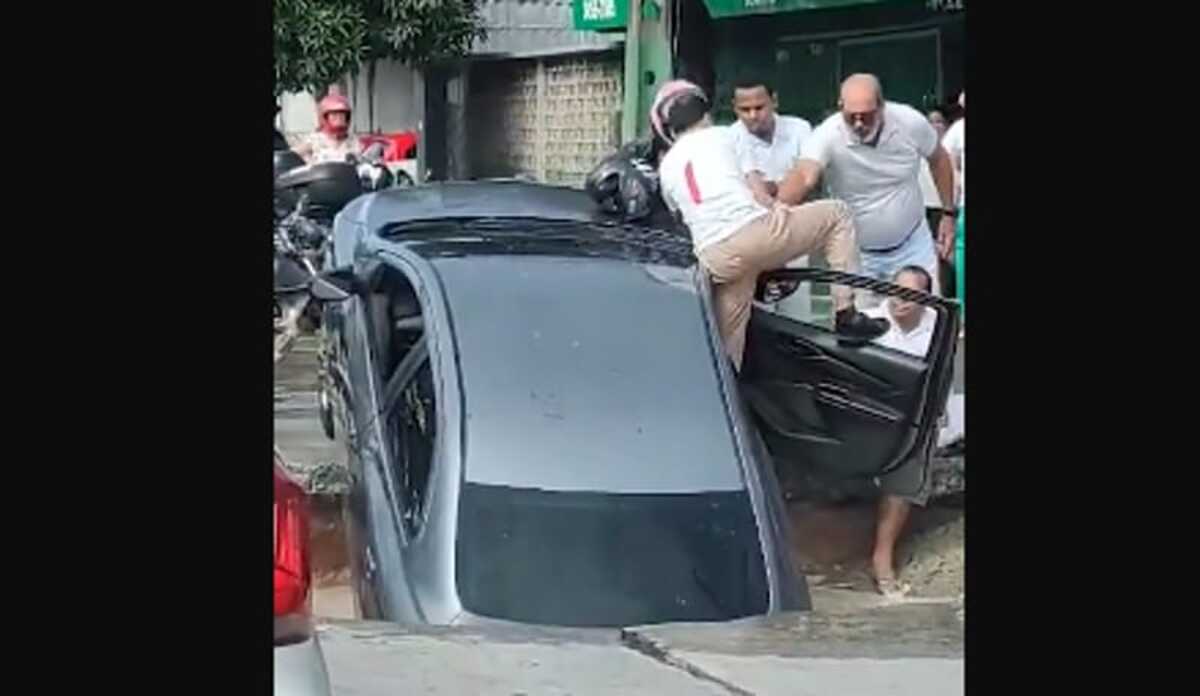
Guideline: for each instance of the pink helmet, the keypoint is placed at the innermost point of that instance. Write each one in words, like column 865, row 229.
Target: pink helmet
column 333, row 102
column 660, row 109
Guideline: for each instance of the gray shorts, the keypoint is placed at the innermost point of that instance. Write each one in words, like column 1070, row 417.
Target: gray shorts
column 910, row 481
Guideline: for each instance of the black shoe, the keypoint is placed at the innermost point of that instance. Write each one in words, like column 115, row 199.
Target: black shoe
column 852, row 323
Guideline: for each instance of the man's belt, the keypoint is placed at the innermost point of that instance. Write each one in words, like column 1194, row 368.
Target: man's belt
column 904, row 241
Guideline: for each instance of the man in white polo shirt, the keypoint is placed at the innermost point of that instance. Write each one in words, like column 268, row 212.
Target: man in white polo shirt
column 870, row 156
column 767, row 146
column 735, row 237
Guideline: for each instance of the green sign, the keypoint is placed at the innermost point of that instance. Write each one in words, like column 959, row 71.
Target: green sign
column 599, row 15
column 736, row 8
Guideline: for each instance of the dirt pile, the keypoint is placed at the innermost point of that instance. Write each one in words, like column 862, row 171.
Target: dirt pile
column 934, row 560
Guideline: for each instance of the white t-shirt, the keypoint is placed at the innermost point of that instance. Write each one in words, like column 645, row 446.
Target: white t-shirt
column 776, row 158
column 699, row 177
column 915, row 342
column 955, row 142
column 880, row 183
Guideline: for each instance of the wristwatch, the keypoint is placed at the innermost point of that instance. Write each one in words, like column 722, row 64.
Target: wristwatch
column 949, row 212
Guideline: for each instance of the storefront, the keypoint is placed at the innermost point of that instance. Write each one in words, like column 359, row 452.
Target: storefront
column 916, row 47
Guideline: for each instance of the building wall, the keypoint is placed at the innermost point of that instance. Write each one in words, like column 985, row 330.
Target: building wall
column 549, row 119
column 918, row 53
column 531, row 28
column 395, row 107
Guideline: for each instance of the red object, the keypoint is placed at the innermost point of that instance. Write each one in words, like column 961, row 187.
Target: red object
column 693, row 188
column 292, row 578
column 397, row 146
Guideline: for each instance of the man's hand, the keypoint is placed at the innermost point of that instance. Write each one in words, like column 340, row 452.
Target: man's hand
column 763, row 190
column 945, row 238
column 799, row 182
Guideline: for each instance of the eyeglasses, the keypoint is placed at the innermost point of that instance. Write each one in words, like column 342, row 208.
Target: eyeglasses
column 866, row 118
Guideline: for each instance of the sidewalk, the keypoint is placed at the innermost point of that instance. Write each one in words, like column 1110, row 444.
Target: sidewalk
column 853, row 643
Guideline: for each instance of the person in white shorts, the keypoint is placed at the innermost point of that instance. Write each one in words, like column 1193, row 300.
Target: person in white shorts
column 870, row 156
column 734, row 236
column 910, row 331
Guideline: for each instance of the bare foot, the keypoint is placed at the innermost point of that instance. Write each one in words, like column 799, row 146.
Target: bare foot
column 886, row 583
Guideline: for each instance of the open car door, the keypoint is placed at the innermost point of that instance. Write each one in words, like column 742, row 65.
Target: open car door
column 846, row 409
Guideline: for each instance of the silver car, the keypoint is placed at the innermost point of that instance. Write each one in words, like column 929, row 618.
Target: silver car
column 543, row 427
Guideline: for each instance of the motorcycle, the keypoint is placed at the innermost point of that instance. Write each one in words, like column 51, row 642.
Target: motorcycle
column 307, row 197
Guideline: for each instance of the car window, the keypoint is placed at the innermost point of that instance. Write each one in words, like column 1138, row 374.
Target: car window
column 395, row 320
column 614, row 561
column 911, row 326
column 414, row 426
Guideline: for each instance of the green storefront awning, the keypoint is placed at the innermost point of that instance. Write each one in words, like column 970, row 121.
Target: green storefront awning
column 737, row 8
column 609, row 15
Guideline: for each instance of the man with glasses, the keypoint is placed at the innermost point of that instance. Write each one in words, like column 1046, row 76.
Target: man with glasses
column 870, row 155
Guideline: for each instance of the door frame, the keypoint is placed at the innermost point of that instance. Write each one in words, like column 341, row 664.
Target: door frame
column 868, row 39
column 841, row 38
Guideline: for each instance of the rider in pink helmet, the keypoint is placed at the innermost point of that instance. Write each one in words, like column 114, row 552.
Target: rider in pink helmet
column 332, row 142
column 333, row 113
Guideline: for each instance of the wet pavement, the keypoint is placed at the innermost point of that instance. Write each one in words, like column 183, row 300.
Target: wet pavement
column 853, row 642
column 297, row 430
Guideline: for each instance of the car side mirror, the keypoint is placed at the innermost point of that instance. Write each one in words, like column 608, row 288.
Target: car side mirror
column 336, row 285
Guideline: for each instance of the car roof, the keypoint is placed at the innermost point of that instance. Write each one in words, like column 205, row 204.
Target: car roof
column 464, row 199
column 587, row 374
column 511, row 217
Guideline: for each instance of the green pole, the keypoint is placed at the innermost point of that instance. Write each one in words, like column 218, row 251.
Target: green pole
column 632, row 91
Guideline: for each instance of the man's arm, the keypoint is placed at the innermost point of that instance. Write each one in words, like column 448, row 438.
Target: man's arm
column 942, row 169
column 943, row 176
column 815, row 155
column 763, row 190
column 799, row 182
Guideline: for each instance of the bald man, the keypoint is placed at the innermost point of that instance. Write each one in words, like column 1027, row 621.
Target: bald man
column 870, row 156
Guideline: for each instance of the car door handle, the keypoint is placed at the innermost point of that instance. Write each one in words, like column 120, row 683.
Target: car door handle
column 842, row 397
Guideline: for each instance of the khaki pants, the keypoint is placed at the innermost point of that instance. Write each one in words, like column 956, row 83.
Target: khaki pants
column 768, row 243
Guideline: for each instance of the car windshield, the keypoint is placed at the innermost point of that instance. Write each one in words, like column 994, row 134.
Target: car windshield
column 600, row 559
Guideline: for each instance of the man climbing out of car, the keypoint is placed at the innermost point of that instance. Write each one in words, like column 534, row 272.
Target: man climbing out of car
column 734, row 237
